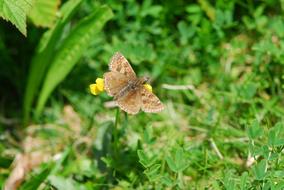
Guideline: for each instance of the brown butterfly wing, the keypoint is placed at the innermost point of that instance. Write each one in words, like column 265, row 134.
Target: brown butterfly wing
column 114, row 82
column 150, row 102
column 120, row 64
column 131, row 102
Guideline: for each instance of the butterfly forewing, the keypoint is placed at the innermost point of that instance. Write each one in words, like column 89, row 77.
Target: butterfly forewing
column 150, row 102
column 114, row 82
column 120, row 64
column 131, row 102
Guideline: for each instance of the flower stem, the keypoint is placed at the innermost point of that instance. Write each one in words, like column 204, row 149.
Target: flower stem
column 116, row 133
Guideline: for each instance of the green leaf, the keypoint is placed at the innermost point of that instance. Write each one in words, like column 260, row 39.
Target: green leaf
column 44, row 12
column 62, row 159
column 148, row 8
column 229, row 182
column 260, row 170
column 15, row 11
column 185, row 31
column 255, row 131
column 44, row 55
column 148, row 135
column 193, row 9
column 153, row 172
column 248, row 90
column 181, row 159
column 274, row 137
column 71, row 51
column 268, row 185
column 244, row 178
column 35, row 181
column 145, row 160
column 165, row 179
column 171, row 164
column 278, row 173
column 179, row 162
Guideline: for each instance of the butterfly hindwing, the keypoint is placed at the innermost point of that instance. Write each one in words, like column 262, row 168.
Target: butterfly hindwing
column 150, row 102
column 131, row 102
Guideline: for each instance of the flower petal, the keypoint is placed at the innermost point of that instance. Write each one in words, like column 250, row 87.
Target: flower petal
column 94, row 89
column 100, row 84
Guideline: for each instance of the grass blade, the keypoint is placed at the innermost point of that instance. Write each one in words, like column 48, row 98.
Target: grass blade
column 71, row 51
column 44, row 55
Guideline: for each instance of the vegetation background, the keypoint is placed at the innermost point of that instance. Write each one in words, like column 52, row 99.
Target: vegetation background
column 217, row 66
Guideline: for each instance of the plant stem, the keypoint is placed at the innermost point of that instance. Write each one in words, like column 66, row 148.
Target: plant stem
column 90, row 124
column 115, row 133
column 180, row 180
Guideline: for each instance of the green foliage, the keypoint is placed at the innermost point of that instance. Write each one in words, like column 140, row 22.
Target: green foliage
column 145, row 160
column 260, row 170
column 43, row 13
column 44, row 54
column 16, row 11
column 179, row 162
column 35, row 181
column 70, row 52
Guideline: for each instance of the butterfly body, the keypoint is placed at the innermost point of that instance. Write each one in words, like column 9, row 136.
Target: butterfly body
column 127, row 89
column 132, row 85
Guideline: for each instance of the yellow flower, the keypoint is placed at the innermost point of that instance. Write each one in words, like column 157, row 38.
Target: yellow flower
column 98, row 87
column 100, row 84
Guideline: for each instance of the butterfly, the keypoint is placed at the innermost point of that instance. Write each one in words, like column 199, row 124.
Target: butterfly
column 127, row 89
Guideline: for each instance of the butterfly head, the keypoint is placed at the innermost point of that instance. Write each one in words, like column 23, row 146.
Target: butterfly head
column 145, row 80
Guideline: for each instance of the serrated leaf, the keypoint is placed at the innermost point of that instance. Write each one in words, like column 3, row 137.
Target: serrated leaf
column 16, row 11
column 71, row 51
column 44, row 12
column 44, row 55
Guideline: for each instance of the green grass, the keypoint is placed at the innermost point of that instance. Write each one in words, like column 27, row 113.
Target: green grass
column 226, row 131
